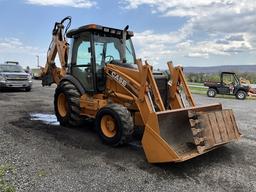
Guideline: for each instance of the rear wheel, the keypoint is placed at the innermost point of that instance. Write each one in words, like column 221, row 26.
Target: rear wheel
column 241, row 95
column 211, row 92
column 67, row 104
column 114, row 124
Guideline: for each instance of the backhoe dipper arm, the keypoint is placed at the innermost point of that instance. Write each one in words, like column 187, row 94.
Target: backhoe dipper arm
column 51, row 73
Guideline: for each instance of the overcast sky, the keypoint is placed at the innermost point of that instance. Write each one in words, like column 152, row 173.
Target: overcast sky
column 188, row 32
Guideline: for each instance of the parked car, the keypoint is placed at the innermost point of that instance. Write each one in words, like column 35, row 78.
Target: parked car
column 229, row 85
column 13, row 76
column 36, row 74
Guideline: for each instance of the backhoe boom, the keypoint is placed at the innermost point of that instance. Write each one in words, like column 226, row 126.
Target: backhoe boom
column 51, row 73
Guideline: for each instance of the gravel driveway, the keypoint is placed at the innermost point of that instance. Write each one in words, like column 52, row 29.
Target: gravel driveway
column 42, row 157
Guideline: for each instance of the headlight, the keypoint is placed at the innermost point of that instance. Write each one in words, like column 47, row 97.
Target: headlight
column 29, row 77
column 2, row 78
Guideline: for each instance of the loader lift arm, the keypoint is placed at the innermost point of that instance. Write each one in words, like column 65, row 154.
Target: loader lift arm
column 51, row 73
column 178, row 132
column 178, row 79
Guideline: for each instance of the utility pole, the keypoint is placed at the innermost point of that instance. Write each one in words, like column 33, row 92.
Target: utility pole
column 37, row 59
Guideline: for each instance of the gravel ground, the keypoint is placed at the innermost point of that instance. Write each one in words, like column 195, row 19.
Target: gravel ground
column 43, row 157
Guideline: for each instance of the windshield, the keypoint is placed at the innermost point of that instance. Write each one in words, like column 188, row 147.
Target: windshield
column 11, row 68
column 110, row 48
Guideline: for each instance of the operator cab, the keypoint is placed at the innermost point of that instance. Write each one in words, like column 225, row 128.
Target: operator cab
column 94, row 46
column 229, row 82
column 229, row 78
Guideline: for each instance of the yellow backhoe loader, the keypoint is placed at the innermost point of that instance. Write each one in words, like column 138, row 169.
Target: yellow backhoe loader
column 101, row 78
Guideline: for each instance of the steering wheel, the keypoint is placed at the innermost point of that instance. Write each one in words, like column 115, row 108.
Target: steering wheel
column 110, row 58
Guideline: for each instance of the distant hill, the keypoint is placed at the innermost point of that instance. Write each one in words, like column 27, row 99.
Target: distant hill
column 217, row 69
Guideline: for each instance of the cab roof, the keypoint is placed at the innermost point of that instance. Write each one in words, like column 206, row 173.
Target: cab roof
column 228, row 72
column 100, row 28
column 8, row 64
column 11, row 62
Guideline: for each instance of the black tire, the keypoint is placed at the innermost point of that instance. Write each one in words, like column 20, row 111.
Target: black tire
column 241, row 95
column 71, row 117
column 123, row 124
column 211, row 92
column 28, row 89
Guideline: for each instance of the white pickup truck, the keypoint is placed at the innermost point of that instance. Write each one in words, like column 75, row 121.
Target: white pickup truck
column 13, row 76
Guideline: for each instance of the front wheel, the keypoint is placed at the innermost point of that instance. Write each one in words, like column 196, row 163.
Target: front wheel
column 28, row 89
column 114, row 124
column 241, row 95
column 67, row 104
column 211, row 92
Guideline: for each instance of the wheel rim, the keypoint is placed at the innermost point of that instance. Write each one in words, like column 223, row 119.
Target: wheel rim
column 211, row 93
column 240, row 95
column 62, row 105
column 108, row 126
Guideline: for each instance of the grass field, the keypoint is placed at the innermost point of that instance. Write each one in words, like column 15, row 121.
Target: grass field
column 198, row 88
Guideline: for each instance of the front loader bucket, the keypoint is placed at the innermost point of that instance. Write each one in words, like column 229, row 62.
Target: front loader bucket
column 179, row 135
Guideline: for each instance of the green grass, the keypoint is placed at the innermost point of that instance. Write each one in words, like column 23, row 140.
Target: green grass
column 198, row 84
column 4, row 185
column 197, row 90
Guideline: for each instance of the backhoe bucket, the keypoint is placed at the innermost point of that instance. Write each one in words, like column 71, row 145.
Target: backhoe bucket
column 179, row 135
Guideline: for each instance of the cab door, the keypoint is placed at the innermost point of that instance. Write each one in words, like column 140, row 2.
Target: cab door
column 227, row 82
column 100, row 51
column 82, row 65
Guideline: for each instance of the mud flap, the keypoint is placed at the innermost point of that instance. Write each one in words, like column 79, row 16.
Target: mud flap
column 211, row 129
